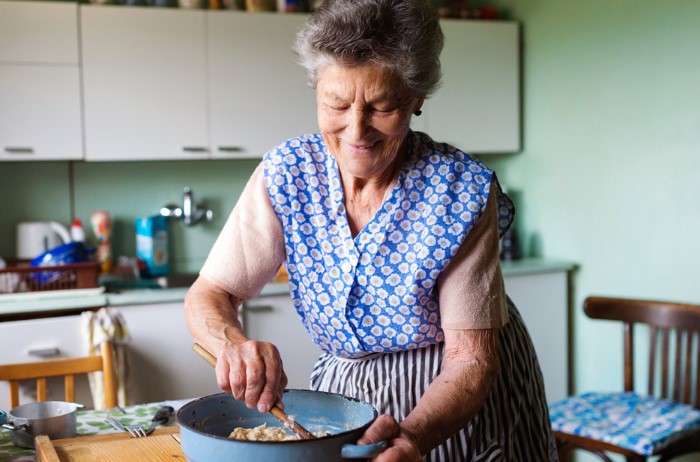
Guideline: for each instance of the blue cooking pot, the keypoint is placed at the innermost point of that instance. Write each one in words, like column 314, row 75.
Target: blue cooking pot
column 206, row 423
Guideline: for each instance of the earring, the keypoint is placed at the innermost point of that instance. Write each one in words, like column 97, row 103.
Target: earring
column 418, row 112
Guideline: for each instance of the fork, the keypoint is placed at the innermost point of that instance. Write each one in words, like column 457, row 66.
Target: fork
column 136, row 431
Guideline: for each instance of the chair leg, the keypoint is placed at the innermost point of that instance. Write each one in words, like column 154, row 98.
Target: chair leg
column 564, row 448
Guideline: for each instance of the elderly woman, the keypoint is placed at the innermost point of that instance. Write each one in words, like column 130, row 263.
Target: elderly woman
column 391, row 241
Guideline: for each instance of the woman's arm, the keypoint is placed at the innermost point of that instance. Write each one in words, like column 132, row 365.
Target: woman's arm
column 248, row 369
column 245, row 256
column 455, row 396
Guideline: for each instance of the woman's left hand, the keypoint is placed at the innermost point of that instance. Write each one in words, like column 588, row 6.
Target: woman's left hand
column 402, row 447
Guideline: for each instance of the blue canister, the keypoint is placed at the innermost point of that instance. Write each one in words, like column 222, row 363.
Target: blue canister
column 152, row 244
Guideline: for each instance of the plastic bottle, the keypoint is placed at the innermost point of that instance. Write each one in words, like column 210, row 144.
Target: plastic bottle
column 77, row 233
column 102, row 227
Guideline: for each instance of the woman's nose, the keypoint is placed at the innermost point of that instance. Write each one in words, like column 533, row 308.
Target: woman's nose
column 358, row 123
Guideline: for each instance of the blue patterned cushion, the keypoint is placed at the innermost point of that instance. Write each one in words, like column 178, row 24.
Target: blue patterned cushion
column 642, row 424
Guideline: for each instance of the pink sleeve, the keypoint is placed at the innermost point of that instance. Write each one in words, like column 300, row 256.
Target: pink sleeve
column 472, row 295
column 250, row 248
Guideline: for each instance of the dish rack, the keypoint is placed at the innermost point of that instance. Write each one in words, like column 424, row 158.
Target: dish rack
column 18, row 276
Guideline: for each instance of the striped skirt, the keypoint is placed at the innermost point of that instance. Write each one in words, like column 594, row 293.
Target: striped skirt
column 513, row 424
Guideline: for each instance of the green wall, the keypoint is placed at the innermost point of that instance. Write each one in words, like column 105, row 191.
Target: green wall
column 609, row 174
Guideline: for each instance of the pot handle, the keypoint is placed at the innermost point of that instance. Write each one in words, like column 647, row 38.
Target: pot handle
column 355, row 451
column 16, row 424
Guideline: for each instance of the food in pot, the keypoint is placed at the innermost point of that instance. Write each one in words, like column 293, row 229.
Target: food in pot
column 262, row 433
column 265, row 433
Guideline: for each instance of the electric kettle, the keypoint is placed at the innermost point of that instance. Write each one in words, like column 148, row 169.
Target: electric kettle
column 36, row 237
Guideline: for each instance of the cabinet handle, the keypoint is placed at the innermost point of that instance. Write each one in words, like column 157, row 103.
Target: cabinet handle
column 19, row 150
column 259, row 308
column 44, row 352
column 231, row 149
column 194, row 149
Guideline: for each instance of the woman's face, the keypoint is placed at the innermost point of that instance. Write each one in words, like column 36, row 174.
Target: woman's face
column 364, row 115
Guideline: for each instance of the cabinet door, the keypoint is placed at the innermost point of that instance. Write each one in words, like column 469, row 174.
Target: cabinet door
column 542, row 300
column 163, row 365
column 258, row 93
column 477, row 109
column 40, row 116
column 274, row 319
column 38, row 32
column 37, row 339
column 144, row 83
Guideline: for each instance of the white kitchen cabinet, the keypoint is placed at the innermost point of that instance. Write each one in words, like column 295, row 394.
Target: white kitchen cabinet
column 181, row 84
column 543, row 301
column 38, row 339
column 144, row 83
column 477, row 108
column 274, row 319
column 39, row 82
column 38, row 32
column 258, row 96
column 163, row 84
column 163, row 364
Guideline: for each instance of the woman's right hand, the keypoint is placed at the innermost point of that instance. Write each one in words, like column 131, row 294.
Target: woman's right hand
column 252, row 372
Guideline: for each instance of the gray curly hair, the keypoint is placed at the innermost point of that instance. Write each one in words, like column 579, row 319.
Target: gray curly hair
column 401, row 35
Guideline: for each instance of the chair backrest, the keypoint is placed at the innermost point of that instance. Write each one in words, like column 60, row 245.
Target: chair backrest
column 66, row 367
column 674, row 343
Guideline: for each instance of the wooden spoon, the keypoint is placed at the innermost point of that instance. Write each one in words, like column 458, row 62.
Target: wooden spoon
column 275, row 411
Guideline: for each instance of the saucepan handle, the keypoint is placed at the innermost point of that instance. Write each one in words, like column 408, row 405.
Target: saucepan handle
column 355, row 451
column 16, row 424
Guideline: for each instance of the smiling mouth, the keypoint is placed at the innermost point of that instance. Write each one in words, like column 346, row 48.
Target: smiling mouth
column 362, row 147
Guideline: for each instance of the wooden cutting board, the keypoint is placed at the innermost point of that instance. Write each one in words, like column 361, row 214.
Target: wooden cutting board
column 160, row 445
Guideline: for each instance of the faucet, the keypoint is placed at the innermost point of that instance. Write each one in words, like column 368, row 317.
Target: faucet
column 190, row 212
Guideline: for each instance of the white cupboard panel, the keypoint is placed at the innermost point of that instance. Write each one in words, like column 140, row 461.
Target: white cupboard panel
column 144, row 80
column 542, row 300
column 163, row 364
column 258, row 93
column 274, row 319
column 477, row 109
column 38, row 339
column 40, row 117
column 38, row 32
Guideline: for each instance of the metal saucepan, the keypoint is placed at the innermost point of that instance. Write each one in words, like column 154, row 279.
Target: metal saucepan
column 57, row 419
column 206, row 423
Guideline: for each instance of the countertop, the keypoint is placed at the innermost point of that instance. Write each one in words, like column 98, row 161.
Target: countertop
column 38, row 304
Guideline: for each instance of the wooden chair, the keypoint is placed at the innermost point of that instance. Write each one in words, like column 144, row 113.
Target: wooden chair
column 66, row 367
column 673, row 374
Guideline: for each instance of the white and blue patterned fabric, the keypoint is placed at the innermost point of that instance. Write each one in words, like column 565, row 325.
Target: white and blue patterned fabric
column 373, row 292
column 643, row 424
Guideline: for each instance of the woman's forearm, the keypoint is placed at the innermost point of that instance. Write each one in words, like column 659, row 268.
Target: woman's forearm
column 211, row 315
column 470, row 367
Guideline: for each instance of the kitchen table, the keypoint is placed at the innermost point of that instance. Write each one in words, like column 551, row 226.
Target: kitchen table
column 91, row 422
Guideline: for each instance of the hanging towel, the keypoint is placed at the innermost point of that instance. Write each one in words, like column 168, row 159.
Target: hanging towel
column 107, row 324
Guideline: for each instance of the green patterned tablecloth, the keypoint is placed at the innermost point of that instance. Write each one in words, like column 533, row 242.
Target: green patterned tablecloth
column 90, row 422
